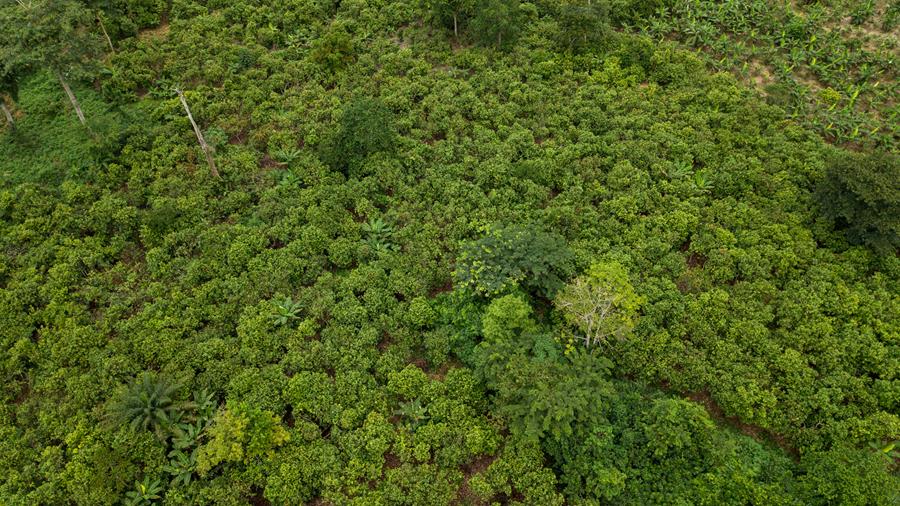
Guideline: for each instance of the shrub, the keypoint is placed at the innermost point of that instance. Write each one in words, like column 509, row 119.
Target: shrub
column 333, row 50
column 239, row 433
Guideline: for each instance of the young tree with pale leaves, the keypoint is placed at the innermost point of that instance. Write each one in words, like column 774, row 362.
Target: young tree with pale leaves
column 601, row 304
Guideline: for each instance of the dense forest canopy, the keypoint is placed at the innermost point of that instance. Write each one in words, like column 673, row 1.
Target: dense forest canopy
column 434, row 252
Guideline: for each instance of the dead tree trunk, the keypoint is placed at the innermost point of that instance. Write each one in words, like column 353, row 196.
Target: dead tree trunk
column 9, row 118
column 72, row 99
column 455, row 30
column 102, row 27
column 206, row 151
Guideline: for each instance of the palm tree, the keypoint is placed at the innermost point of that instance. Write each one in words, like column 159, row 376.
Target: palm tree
column 149, row 403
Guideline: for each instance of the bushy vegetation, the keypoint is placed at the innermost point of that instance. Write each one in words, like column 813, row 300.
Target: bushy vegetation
column 860, row 194
column 489, row 252
column 830, row 64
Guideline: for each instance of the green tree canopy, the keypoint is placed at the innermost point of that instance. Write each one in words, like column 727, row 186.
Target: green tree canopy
column 601, row 304
column 450, row 13
column 861, row 196
column 525, row 256
column 366, row 127
column 56, row 35
column 496, row 22
column 583, row 24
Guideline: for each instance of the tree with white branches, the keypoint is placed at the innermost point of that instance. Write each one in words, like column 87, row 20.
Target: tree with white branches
column 601, row 304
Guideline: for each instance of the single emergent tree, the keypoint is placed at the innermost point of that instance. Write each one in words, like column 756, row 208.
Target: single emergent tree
column 9, row 118
column 860, row 195
column 10, row 69
column 450, row 12
column 583, row 24
column 496, row 22
column 53, row 35
column 9, row 87
column 601, row 304
column 366, row 127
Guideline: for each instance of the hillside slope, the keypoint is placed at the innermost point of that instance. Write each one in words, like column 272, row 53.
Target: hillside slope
column 385, row 297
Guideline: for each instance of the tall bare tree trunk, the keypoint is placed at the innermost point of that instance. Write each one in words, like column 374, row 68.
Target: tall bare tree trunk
column 206, row 151
column 9, row 118
column 455, row 31
column 72, row 99
column 102, row 27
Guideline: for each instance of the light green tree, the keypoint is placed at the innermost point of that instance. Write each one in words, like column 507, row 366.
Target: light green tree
column 240, row 433
column 601, row 304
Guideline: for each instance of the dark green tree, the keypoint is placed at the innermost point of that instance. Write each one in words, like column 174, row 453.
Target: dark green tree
column 99, row 8
column 366, row 127
column 10, row 65
column 541, row 393
column 150, row 403
column 583, row 24
column 450, row 13
column 860, row 195
column 53, row 35
column 544, row 398
column 525, row 256
column 9, row 90
column 496, row 22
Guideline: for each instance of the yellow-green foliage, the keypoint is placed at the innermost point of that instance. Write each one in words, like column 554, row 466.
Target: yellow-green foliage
column 241, row 433
column 371, row 305
column 601, row 304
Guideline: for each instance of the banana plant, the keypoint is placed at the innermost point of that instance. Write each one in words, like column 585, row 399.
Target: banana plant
column 288, row 178
column 379, row 235
column 206, row 405
column 413, row 412
column 286, row 310
column 286, row 156
column 701, row 184
column 853, row 96
column 188, row 434
column 680, row 170
column 891, row 449
column 181, row 466
column 145, row 493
